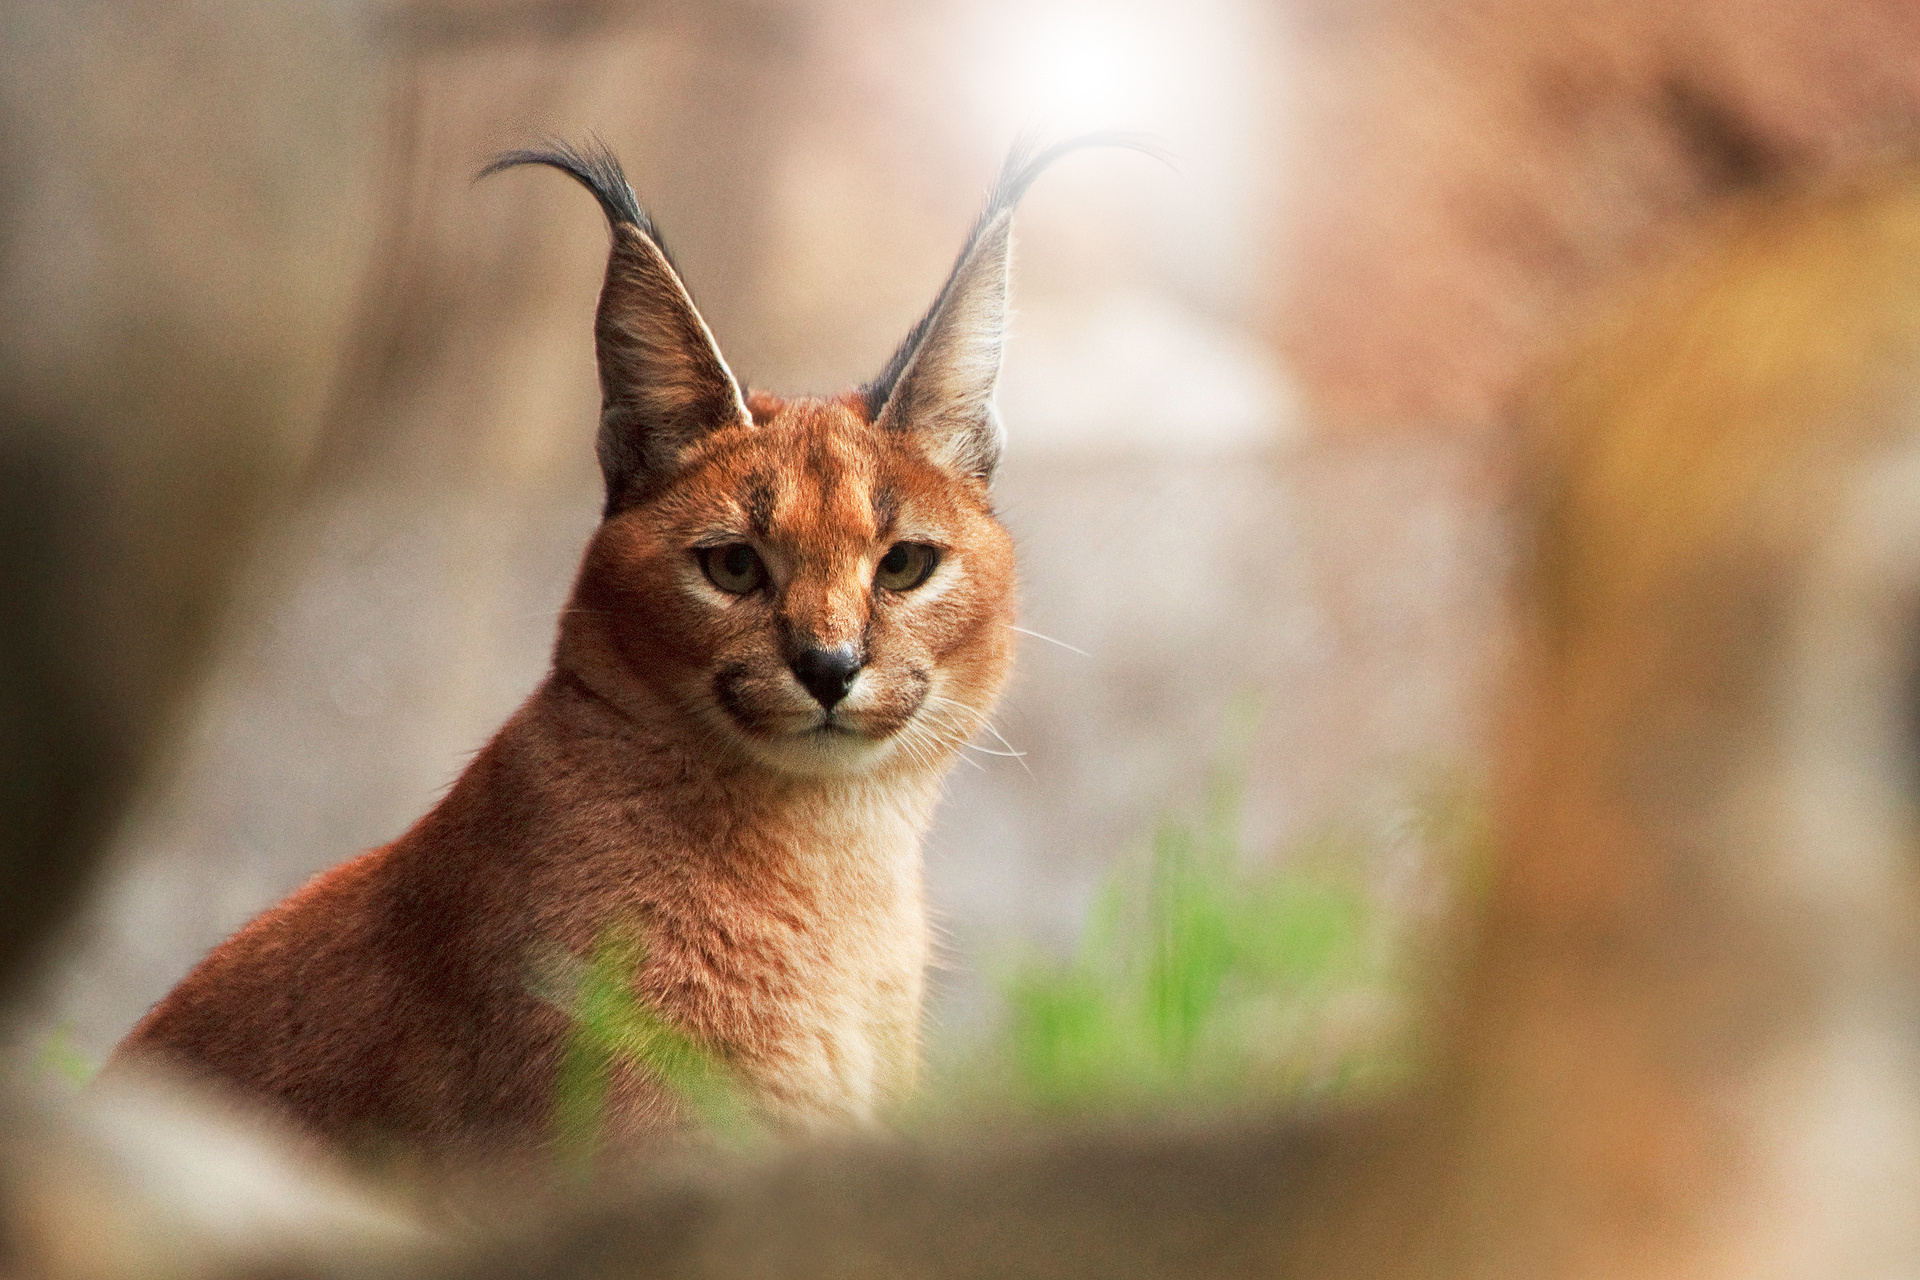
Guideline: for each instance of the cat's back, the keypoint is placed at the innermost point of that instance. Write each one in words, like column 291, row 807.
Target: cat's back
column 330, row 1008
column 277, row 997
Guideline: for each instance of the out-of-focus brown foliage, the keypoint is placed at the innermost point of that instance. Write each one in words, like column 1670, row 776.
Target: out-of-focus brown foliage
column 1473, row 171
column 1708, row 909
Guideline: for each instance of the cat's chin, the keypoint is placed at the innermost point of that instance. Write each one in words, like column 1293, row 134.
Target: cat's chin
column 824, row 752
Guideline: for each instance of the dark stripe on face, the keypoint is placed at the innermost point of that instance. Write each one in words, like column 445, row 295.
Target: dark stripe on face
column 726, row 691
column 886, row 507
column 759, row 505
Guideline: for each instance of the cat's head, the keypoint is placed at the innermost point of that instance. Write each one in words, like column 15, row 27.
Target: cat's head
column 818, row 584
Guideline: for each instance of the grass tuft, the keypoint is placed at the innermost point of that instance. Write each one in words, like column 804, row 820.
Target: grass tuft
column 1203, row 978
column 611, row 1028
column 60, row 1058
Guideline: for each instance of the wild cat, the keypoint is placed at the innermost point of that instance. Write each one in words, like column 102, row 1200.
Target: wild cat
column 792, row 616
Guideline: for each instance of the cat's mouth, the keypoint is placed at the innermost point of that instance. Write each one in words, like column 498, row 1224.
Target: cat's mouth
column 792, row 732
column 868, row 724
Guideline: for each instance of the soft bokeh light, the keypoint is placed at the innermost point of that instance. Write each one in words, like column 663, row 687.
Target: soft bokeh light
column 1090, row 65
column 1121, row 66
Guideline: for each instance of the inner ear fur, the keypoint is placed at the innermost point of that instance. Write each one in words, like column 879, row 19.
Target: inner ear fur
column 663, row 382
column 944, row 391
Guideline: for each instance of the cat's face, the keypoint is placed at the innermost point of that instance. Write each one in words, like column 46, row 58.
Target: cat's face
column 811, row 590
column 817, row 585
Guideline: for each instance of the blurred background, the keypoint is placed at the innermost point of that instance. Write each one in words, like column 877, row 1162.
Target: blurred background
column 1258, row 405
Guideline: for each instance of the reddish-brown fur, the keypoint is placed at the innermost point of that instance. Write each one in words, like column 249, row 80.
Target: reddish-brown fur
column 391, row 1000
column 671, row 777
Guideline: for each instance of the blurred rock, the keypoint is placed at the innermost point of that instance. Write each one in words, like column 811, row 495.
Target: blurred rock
column 182, row 241
column 144, row 1178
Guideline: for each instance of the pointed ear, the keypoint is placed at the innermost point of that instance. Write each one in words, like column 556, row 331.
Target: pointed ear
column 663, row 383
column 939, row 383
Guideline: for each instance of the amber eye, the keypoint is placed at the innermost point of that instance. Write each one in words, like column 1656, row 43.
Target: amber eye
column 735, row 568
column 906, row 565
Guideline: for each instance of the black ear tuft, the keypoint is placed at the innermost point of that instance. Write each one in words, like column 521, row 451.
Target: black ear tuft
column 663, row 382
column 594, row 168
column 940, row 380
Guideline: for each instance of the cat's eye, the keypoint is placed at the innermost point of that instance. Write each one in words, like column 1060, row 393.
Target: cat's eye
column 906, row 565
column 735, row 568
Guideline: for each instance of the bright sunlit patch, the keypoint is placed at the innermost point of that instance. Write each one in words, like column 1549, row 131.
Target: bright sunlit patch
column 1086, row 67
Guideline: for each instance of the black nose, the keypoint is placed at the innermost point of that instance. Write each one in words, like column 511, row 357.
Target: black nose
column 827, row 673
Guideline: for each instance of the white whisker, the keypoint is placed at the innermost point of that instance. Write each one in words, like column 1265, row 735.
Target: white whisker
column 1049, row 639
column 934, row 743
column 926, row 731
column 1021, row 756
column 1011, row 749
column 982, row 722
column 912, row 742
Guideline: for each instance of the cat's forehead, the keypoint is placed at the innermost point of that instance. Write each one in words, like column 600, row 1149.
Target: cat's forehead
column 814, row 468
